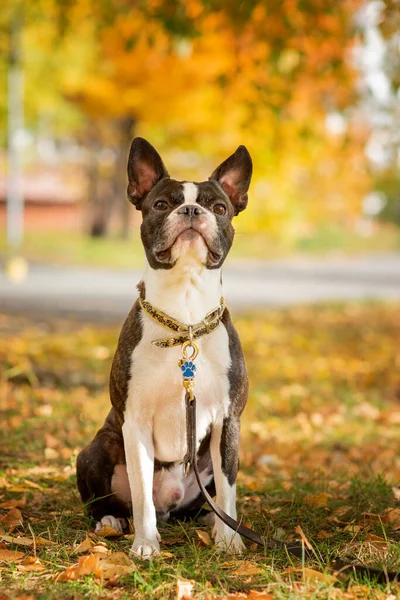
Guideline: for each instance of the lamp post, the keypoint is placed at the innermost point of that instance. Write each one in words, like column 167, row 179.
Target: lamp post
column 15, row 198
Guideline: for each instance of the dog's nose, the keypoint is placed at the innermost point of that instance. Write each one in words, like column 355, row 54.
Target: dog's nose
column 190, row 210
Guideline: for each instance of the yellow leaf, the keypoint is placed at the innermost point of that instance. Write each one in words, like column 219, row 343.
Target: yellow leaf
column 248, row 568
column 24, row 541
column 116, row 565
column 311, row 574
column 108, row 531
column 84, row 546
column 204, row 537
column 184, row 589
column 10, row 555
column 318, row 500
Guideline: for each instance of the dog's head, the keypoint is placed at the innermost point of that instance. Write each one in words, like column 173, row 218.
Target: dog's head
column 181, row 217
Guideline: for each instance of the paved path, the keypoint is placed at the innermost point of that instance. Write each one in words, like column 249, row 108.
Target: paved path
column 105, row 295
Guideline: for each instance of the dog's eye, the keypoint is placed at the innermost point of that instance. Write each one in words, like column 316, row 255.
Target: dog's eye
column 161, row 205
column 219, row 209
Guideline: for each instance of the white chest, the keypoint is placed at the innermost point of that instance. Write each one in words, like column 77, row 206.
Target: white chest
column 156, row 395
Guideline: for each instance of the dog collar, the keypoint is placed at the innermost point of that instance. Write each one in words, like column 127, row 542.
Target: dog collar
column 185, row 333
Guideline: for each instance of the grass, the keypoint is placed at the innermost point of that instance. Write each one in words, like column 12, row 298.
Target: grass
column 78, row 249
column 319, row 450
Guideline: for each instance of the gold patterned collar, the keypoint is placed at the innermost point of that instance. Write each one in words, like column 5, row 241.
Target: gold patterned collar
column 184, row 332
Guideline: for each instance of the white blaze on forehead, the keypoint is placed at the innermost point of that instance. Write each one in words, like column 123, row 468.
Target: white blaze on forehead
column 190, row 192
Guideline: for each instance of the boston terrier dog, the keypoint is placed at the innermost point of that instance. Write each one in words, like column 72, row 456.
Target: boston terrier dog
column 135, row 462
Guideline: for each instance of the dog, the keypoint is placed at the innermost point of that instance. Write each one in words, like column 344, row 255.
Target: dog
column 135, row 462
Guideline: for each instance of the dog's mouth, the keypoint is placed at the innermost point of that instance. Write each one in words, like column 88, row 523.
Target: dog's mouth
column 188, row 234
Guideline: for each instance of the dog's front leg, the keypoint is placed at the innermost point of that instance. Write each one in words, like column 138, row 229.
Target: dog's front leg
column 224, row 454
column 139, row 453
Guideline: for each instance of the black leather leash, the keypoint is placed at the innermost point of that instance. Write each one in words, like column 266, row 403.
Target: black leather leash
column 294, row 549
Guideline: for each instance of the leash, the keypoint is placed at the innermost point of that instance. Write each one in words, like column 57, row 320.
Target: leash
column 295, row 549
column 186, row 336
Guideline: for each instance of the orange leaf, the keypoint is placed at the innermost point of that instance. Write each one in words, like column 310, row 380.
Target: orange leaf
column 12, row 519
column 10, row 555
column 31, row 564
column 87, row 565
column 20, row 503
column 311, row 574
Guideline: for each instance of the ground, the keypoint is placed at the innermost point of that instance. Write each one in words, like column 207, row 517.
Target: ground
column 319, row 459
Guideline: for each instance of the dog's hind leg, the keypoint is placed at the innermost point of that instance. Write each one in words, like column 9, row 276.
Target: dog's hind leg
column 100, row 472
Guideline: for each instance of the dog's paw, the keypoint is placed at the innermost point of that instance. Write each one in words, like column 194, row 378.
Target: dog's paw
column 228, row 541
column 146, row 549
column 108, row 521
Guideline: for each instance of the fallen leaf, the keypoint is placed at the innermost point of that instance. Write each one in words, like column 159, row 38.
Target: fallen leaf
column 24, row 541
column 51, row 453
column 254, row 595
column 184, row 589
column 12, row 519
column 392, row 516
column 116, row 565
column 166, row 555
column 84, row 546
column 108, row 531
column 247, row 568
column 18, row 503
column 30, row 563
column 301, row 533
column 311, row 574
column 87, row 565
column 10, row 555
column 322, row 535
column 100, row 549
column 318, row 500
column 204, row 537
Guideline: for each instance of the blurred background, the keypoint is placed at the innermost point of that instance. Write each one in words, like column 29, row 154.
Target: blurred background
column 311, row 88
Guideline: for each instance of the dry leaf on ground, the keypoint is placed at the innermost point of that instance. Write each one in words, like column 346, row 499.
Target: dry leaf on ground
column 87, row 565
column 318, row 500
column 248, row 568
column 12, row 519
column 116, row 565
column 311, row 574
column 254, row 595
column 24, row 541
column 108, row 531
column 10, row 555
column 204, row 537
column 30, row 563
column 184, row 589
column 84, row 546
column 17, row 503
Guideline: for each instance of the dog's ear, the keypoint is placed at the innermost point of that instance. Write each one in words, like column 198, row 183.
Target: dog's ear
column 145, row 169
column 234, row 176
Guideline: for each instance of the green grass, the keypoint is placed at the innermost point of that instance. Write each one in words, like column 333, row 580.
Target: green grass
column 319, row 450
column 78, row 249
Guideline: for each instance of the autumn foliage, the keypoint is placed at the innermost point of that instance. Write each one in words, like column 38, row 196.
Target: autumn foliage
column 199, row 78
